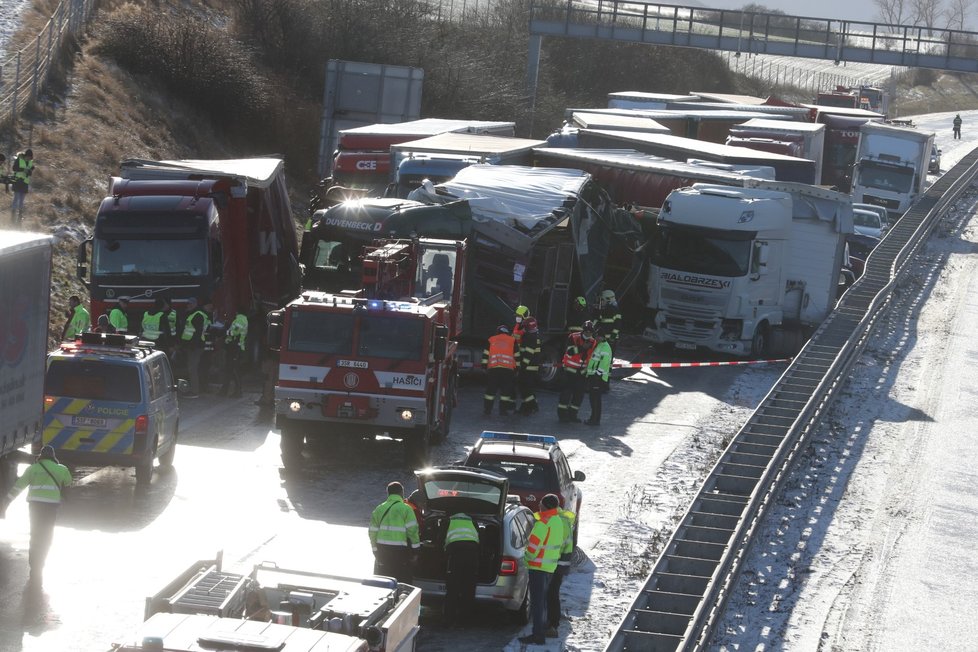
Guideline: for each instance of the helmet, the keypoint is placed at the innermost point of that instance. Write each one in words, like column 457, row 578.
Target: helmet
column 531, row 324
column 608, row 295
column 502, row 329
column 581, row 302
column 522, row 311
column 588, row 326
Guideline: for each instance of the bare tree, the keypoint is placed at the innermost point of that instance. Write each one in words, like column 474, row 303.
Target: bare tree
column 956, row 13
column 926, row 13
column 895, row 12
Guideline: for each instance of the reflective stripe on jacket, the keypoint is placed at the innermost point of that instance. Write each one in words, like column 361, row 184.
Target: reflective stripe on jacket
column 119, row 320
column 502, row 352
column 567, row 549
column 393, row 524
column 238, row 331
column 22, row 169
column 577, row 353
column 530, row 351
column 600, row 362
column 546, row 540
column 151, row 325
column 461, row 528
column 45, row 487
column 80, row 322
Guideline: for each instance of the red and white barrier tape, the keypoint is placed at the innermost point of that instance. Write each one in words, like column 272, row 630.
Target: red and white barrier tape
column 673, row 365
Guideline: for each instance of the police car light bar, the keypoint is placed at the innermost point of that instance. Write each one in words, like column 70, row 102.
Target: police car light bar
column 514, row 436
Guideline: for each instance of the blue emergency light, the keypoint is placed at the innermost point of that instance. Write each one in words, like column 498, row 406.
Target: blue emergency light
column 513, row 436
column 375, row 304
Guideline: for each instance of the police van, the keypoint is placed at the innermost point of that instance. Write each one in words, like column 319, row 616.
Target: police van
column 110, row 400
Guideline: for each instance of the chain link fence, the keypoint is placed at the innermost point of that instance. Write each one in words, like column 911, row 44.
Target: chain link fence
column 23, row 73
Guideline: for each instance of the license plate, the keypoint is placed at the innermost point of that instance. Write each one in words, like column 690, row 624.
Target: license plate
column 685, row 345
column 88, row 422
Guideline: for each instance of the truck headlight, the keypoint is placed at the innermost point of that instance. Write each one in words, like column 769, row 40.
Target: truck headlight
column 295, row 406
column 407, row 415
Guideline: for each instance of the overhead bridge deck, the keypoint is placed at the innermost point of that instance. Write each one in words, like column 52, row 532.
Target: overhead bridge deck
column 685, row 595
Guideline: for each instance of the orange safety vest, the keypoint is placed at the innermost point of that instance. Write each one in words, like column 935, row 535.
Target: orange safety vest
column 577, row 353
column 502, row 352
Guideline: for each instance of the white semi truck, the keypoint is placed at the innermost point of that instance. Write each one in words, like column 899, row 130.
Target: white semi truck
column 746, row 271
column 25, row 291
column 891, row 166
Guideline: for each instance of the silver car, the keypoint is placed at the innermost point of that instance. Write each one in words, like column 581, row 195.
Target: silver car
column 504, row 527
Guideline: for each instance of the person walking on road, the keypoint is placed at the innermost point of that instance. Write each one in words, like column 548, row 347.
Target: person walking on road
column 542, row 554
column 563, row 568
column 573, row 380
column 462, row 550
column 46, row 481
column 394, row 536
column 957, row 126
column 21, row 171
column 118, row 317
column 79, row 320
column 598, row 373
column 501, row 359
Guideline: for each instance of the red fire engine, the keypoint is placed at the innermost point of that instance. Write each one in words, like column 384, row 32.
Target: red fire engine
column 378, row 360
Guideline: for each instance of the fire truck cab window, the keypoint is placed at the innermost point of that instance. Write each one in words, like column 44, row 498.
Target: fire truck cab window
column 436, row 272
column 321, row 332
column 391, row 337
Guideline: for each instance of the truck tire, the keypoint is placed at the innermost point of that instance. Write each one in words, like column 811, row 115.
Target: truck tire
column 551, row 356
column 292, row 443
column 760, row 343
column 418, row 443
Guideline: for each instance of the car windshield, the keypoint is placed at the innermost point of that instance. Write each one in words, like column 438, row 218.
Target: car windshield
column 523, row 476
column 93, row 380
column 702, row 252
column 112, row 256
column 455, row 494
column 866, row 219
column 394, row 338
column 886, row 178
column 321, row 332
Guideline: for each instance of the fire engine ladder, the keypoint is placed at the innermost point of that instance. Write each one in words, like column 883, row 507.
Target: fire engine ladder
column 684, row 597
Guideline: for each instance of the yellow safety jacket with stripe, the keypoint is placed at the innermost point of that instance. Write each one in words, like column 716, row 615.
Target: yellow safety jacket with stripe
column 189, row 329
column 546, row 540
column 461, row 528
column 151, row 325
column 119, row 320
column 393, row 524
column 46, row 479
column 567, row 549
column 22, row 169
column 237, row 331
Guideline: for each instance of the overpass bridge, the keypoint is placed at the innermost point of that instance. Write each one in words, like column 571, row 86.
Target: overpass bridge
column 749, row 32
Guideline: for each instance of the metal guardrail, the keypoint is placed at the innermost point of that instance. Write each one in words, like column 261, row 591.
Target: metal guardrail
column 687, row 590
column 23, row 74
column 758, row 33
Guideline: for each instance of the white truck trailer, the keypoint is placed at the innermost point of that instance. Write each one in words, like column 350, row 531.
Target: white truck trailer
column 25, row 292
column 271, row 608
column 891, row 166
column 746, row 271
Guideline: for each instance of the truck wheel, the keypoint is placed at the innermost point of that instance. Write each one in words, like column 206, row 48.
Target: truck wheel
column 550, row 358
column 419, row 447
column 759, row 343
column 292, row 443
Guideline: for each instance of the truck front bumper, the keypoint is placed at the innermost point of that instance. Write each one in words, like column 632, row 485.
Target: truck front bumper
column 376, row 411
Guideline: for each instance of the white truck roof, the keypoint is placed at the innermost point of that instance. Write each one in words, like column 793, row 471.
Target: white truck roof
column 765, row 124
column 590, row 120
column 469, row 144
column 729, row 173
column 12, row 241
column 431, row 126
column 259, row 172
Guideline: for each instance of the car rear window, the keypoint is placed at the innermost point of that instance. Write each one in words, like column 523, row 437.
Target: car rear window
column 523, row 476
column 469, row 496
column 94, row 380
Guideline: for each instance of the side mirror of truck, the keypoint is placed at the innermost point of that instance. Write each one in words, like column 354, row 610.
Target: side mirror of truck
column 273, row 330
column 81, row 267
column 441, row 343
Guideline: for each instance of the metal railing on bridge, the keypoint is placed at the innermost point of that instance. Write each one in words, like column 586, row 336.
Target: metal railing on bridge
column 757, row 33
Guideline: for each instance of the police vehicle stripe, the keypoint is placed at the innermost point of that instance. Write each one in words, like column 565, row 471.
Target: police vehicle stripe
column 110, row 441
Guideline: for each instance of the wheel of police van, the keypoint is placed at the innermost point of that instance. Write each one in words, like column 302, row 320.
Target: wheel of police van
column 292, row 442
column 759, row 344
column 144, row 473
column 521, row 616
column 166, row 459
column 418, row 445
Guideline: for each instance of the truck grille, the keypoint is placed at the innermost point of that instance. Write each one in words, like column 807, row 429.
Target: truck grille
column 879, row 201
column 690, row 329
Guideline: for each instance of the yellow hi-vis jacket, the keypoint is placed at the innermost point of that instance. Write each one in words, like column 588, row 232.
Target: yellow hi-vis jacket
column 461, row 528
column 546, row 540
column 393, row 524
column 46, row 479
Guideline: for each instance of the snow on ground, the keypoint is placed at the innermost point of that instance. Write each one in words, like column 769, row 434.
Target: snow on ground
column 10, row 15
